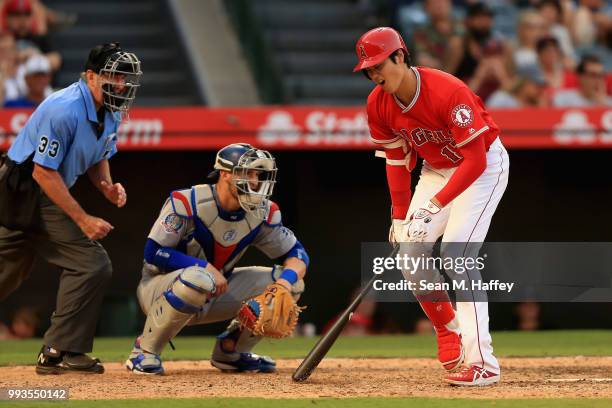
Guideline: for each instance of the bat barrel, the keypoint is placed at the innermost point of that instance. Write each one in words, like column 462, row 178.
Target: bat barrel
column 320, row 349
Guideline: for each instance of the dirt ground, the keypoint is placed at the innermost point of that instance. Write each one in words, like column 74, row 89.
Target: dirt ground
column 555, row 377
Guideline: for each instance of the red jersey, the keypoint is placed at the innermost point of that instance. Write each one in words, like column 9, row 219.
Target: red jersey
column 443, row 116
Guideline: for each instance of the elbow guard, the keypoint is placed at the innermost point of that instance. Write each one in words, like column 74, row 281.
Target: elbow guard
column 397, row 153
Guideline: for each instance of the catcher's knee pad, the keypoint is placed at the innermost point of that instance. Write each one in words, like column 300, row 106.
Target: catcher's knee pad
column 172, row 310
column 191, row 289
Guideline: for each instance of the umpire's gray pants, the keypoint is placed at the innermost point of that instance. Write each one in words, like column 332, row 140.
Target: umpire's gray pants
column 244, row 283
column 86, row 269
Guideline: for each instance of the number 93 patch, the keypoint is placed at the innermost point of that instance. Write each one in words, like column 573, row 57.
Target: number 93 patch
column 172, row 223
column 462, row 116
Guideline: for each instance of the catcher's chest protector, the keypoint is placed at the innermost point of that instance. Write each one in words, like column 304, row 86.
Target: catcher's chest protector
column 223, row 236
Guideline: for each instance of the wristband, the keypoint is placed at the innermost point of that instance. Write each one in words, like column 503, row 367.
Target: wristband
column 289, row 275
column 431, row 207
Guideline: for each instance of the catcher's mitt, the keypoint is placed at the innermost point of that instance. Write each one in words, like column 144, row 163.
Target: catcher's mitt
column 274, row 313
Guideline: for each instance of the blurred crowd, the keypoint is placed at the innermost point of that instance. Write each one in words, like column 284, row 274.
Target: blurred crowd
column 27, row 59
column 514, row 54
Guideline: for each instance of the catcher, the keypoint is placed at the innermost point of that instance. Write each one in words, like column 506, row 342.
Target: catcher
column 189, row 275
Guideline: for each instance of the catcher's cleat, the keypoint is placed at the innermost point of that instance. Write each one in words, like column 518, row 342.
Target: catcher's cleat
column 450, row 350
column 143, row 362
column 472, row 376
column 52, row 361
column 246, row 362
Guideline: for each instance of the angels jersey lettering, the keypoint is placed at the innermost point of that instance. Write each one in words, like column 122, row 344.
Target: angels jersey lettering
column 443, row 116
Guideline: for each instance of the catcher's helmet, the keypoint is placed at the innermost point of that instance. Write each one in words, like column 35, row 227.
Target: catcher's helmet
column 254, row 172
column 121, row 75
column 228, row 157
column 376, row 45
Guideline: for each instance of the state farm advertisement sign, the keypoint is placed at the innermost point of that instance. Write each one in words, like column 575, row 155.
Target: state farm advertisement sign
column 323, row 128
column 315, row 128
column 555, row 128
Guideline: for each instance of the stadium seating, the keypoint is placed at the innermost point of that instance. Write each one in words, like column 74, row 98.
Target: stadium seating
column 142, row 26
column 312, row 42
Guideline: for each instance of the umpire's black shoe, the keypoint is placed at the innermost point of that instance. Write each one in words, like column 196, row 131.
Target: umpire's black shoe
column 52, row 361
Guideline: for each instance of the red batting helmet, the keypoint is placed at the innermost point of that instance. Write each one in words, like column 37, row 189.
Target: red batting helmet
column 376, row 45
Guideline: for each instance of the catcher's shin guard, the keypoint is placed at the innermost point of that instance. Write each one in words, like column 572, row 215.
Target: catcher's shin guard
column 172, row 310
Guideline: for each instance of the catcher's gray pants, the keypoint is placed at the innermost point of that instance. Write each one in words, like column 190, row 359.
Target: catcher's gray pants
column 243, row 284
column 86, row 271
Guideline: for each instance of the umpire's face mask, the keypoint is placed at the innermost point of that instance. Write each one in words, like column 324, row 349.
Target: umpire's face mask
column 120, row 78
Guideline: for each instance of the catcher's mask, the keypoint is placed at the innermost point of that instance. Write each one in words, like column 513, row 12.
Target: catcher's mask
column 120, row 76
column 254, row 175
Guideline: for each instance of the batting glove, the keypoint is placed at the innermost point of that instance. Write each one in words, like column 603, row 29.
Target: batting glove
column 396, row 231
column 420, row 222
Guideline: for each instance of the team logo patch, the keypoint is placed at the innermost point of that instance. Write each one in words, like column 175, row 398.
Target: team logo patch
column 229, row 235
column 362, row 52
column 462, row 116
column 172, row 223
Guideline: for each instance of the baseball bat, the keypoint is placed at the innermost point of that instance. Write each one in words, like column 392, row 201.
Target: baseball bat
column 326, row 341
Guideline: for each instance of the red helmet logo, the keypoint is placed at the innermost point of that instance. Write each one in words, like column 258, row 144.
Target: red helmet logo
column 362, row 53
column 376, row 45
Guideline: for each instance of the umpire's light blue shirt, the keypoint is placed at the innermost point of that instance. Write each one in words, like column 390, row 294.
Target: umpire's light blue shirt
column 62, row 133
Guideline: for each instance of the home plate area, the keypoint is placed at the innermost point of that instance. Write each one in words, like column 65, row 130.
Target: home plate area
column 554, row 377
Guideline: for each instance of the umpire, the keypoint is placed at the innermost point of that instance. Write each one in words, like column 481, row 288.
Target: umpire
column 74, row 131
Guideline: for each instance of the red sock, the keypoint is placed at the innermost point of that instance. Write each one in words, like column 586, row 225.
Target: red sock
column 438, row 308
